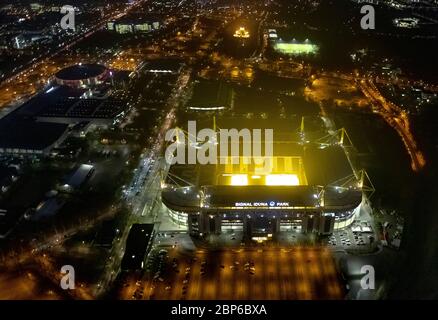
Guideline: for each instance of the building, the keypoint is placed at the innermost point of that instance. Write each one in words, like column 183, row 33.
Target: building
column 48, row 208
column 71, row 106
column 78, row 178
column 241, row 33
column 170, row 65
column 27, row 137
column 211, row 96
column 21, row 134
column 407, row 22
column 134, row 25
column 307, row 187
column 97, row 112
column 82, row 75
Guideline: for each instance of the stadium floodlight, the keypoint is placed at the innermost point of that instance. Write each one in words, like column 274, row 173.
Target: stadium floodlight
column 282, row 180
column 239, row 180
column 294, row 48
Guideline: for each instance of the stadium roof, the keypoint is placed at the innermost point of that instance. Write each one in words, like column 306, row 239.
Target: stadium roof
column 335, row 197
column 184, row 198
column 325, row 166
column 80, row 72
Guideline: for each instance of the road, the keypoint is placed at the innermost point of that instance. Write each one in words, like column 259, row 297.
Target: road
column 145, row 187
column 396, row 118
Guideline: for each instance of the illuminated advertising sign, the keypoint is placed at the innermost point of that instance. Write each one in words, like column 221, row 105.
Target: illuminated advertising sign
column 262, row 204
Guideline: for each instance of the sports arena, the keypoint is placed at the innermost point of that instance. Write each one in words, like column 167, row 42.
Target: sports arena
column 310, row 186
column 82, row 75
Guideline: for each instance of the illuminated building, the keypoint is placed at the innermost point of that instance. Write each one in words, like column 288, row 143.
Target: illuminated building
column 82, row 75
column 306, row 188
column 241, row 33
column 406, row 22
column 294, row 48
column 127, row 26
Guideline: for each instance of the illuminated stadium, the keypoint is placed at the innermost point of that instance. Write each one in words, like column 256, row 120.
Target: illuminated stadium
column 295, row 48
column 82, row 75
column 308, row 187
column 291, row 48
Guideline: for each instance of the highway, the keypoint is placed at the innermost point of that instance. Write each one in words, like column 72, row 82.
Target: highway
column 396, row 118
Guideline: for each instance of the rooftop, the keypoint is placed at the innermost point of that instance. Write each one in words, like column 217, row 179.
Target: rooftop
column 30, row 135
column 211, row 95
column 81, row 71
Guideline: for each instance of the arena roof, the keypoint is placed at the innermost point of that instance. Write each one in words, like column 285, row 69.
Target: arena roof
column 81, row 72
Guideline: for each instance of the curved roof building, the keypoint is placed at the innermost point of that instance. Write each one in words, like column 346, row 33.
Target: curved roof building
column 82, row 75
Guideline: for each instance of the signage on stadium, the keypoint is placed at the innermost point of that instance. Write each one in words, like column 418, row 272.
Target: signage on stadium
column 262, row 204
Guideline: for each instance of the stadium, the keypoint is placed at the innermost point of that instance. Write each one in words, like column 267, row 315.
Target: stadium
column 310, row 186
column 292, row 47
column 82, row 75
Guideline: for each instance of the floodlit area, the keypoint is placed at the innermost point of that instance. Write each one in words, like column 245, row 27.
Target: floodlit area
column 268, row 180
column 276, row 171
column 239, row 180
column 292, row 48
column 282, row 180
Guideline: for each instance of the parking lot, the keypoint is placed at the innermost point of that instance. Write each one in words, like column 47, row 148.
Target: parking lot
column 359, row 235
column 237, row 274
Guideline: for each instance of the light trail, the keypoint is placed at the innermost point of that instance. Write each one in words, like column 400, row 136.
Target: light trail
column 397, row 119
